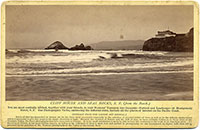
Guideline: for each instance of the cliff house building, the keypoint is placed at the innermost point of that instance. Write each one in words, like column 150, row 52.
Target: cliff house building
column 164, row 34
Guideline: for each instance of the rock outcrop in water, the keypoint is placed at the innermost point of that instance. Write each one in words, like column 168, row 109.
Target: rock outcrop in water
column 81, row 47
column 56, row 45
column 177, row 43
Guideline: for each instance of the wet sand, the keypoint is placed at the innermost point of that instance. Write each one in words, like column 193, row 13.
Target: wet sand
column 158, row 86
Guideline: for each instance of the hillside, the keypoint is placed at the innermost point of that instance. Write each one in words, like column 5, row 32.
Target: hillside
column 118, row 45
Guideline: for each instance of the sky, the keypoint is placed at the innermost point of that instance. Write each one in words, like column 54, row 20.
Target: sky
column 37, row 26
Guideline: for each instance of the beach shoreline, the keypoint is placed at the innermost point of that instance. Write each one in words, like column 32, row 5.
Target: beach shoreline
column 154, row 86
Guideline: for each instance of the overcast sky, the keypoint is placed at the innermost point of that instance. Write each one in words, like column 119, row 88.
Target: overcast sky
column 38, row 26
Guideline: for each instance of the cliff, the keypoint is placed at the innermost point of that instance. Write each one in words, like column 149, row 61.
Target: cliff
column 179, row 43
column 56, row 45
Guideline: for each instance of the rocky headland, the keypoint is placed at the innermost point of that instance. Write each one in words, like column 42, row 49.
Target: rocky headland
column 175, row 42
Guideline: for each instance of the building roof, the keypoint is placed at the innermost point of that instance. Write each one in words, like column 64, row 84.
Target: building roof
column 166, row 32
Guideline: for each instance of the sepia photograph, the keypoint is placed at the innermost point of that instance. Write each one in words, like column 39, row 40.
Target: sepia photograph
column 99, row 52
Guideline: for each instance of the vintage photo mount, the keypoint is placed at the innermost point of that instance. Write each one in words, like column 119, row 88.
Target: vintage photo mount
column 22, row 111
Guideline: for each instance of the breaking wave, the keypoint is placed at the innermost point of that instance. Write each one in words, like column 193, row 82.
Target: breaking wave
column 49, row 62
column 104, row 73
column 118, row 69
column 66, row 56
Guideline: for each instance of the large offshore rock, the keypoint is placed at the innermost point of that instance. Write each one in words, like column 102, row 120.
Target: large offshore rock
column 81, row 47
column 56, row 45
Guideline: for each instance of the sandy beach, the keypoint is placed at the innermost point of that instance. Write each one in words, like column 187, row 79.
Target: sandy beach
column 158, row 86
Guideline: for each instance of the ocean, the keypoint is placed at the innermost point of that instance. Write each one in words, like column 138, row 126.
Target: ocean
column 36, row 74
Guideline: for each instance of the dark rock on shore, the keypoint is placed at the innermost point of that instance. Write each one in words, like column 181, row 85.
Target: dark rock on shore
column 81, row 47
column 178, row 43
column 56, row 45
